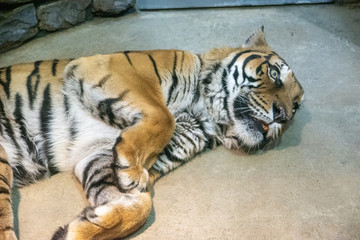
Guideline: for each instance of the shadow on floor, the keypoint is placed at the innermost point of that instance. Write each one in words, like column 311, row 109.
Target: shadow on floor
column 15, row 199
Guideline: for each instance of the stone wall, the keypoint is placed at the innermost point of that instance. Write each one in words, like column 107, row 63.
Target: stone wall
column 21, row 20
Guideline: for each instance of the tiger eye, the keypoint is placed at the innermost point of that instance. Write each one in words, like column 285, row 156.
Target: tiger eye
column 274, row 74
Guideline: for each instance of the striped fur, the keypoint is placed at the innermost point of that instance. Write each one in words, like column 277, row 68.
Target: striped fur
column 6, row 215
column 120, row 121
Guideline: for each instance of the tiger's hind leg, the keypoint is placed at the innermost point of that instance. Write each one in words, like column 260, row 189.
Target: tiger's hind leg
column 112, row 213
column 6, row 214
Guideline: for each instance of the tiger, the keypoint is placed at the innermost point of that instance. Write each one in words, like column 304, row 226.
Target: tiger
column 120, row 121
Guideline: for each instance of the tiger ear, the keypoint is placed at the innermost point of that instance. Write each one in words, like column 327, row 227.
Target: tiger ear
column 257, row 39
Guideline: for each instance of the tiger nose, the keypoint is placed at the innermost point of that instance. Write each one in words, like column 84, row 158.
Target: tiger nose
column 279, row 114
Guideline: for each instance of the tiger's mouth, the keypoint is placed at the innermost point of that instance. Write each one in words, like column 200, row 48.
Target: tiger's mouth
column 242, row 111
column 260, row 125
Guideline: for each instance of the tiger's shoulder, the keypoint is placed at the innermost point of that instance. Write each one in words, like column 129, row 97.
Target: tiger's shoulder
column 153, row 66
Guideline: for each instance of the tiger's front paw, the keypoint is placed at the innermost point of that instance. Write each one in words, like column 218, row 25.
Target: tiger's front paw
column 133, row 178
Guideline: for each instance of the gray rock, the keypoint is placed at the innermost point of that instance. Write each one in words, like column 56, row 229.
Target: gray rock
column 14, row 1
column 16, row 26
column 62, row 14
column 111, row 7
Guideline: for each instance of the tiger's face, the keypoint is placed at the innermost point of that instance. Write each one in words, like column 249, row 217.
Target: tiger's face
column 264, row 96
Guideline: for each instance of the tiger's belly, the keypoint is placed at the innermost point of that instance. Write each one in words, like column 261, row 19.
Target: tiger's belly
column 91, row 135
column 42, row 141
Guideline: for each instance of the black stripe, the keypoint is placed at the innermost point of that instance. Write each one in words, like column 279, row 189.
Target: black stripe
column 224, row 86
column 160, row 159
column 88, row 168
column 176, row 96
column 183, row 133
column 186, row 85
column 269, row 56
column 31, row 86
column 71, row 72
column 105, row 108
column 210, row 143
column 262, row 100
column 236, row 75
column 155, row 68
column 196, row 91
column 171, row 147
column 126, row 53
column 187, row 82
column 259, row 68
column 174, row 80
column 200, row 124
column 155, row 170
column 118, row 140
column 66, row 104
column 20, row 175
column 81, row 86
column 109, row 178
column 175, row 139
column 190, row 140
column 53, row 67
column 258, row 104
column 4, row 161
column 8, row 228
column 257, row 87
column 4, row 190
column 99, row 169
column 5, row 122
column 103, row 184
column 8, row 81
column 182, row 60
column 4, row 179
column 45, row 127
column 201, row 61
column 246, row 61
column 61, row 233
column 236, row 57
column 72, row 126
column 103, row 81
column 6, row 85
column 208, row 79
column 177, row 147
column 85, row 213
column 165, row 169
column 172, row 157
column 19, row 119
column 106, row 180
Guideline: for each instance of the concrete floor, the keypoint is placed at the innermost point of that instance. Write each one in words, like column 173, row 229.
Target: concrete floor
column 307, row 188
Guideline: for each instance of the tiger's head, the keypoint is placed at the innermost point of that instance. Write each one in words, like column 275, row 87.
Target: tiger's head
column 262, row 94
